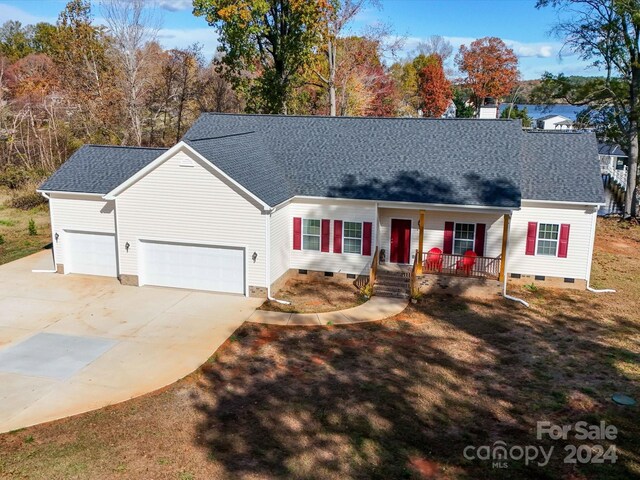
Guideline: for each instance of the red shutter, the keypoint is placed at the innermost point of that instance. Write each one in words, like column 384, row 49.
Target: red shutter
column 326, row 226
column 532, row 231
column 337, row 236
column 297, row 233
column 563, row 246
column 366, row 238
column 447, row 247
column 480, row 231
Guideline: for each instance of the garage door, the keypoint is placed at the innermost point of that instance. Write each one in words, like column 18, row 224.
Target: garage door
column 91, row 253
column 200, row 267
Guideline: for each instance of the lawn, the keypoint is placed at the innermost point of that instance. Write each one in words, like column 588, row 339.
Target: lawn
column 395, row 399
column 315, row 296
column 16, row 240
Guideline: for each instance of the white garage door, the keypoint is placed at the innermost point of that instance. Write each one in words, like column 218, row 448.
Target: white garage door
column 218, row 269
column 91, row 253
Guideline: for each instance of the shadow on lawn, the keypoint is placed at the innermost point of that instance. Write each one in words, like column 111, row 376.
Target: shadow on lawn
column 403, row 398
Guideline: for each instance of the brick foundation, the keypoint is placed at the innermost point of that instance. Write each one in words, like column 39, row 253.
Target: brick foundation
column 131, row 280
column 258, row 292
column 553, row 282
column 59, row 268
column 464, row 286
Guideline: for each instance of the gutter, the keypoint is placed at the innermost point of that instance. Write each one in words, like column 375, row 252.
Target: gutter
column 506, row 269
column 267, row 267
column 53, row 250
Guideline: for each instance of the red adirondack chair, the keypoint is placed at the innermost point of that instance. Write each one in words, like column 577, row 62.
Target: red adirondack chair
column 433, row 262
column 467, row 262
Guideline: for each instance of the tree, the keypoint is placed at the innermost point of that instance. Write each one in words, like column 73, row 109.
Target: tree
column 434, row 88
column 132, row 25
column 490, row 66
column 276, row 38
column 461, row 101
column 515, row 112
column 606, row 33
column 15, row 40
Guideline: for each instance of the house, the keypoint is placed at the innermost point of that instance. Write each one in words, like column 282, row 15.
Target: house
column 554, row 122
column 244, row 202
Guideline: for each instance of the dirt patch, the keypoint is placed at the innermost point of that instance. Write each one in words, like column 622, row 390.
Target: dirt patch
column 315, row 296
column 395, row 399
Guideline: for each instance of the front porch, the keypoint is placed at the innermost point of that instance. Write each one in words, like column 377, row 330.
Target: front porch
column 451, row 251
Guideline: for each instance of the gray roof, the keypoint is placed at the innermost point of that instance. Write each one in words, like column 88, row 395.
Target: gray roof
column 100, row 168
column 447, row 161
column 612, row 149
column 561, row 167
column 441, row 161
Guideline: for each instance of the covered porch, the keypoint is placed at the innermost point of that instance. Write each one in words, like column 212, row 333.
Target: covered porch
column 433, row 245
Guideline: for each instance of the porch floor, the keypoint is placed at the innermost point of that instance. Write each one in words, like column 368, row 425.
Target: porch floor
column 394, row 268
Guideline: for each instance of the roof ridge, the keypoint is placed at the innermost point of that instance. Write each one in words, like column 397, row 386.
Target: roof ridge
column 347, row 117
column 123, row 146
column 221, row 136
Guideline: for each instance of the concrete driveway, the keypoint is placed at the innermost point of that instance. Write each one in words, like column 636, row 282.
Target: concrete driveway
column 74, row 343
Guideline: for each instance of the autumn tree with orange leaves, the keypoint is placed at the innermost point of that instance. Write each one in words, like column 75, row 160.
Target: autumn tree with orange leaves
column 490, row 66
column 434, row 88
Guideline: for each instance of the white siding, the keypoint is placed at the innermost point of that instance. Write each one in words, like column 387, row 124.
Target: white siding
column 79, row 213
column 280, row 242
column 576, row 265
column 189, row 204
column 333, row 210
column 434, row 228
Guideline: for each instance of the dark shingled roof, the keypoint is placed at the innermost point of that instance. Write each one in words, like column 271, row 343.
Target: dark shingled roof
column 458, row 161
column 100, row 168
column 610, row 149
column 561, row 167
column 441, row 161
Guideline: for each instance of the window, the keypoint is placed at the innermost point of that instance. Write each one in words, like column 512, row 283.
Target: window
column 548, row 239
column 352, row 237
column 463, row 238
column 310, row 234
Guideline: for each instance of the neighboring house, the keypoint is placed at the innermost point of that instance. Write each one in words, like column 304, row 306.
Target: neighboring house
column 554, row 122
column 244, row 201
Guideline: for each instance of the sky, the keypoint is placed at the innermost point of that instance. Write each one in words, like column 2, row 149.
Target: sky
column 523, row 27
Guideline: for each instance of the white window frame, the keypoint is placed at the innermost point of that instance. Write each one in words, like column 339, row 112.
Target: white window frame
column 319, row 235
column 557, row 240
column 344, row 229
column 473, row 241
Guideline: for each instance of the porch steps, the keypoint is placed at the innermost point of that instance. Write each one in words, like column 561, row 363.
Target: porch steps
column 392, row 283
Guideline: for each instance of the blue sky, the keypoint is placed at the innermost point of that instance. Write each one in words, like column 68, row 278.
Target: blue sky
column 518, row 22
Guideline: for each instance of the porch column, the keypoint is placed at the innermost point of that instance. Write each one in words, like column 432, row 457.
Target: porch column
column 503, row 257
column 420, row 242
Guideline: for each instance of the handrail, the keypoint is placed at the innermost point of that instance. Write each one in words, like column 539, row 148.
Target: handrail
column 459, row 265
column 414, row 272
column 373, row 271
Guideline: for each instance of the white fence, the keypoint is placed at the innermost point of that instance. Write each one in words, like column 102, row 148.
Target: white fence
column 615, row 175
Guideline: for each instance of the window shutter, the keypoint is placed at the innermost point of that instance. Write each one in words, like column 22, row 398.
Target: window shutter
column 563, row 245
column 366, row 238
column 326, row 227
column 447, row 247
column 479, row 244
column 297, row 233
column 532, row 231
column 337, row 236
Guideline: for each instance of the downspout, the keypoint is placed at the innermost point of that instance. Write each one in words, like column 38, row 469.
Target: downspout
column 506, row 269
column 593, row 237
column 53, row 240
column 267, row 268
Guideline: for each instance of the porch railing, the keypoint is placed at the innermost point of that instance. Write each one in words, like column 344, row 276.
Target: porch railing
column 373, row 271
column 451, row 264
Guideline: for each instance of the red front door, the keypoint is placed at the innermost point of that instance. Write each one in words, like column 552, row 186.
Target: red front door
column 400, row 240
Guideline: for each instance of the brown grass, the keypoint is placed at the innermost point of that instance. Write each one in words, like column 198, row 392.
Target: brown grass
column 14, row 227
column 394, row 399
column 315, row 296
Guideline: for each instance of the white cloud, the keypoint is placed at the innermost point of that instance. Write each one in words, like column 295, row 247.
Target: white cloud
column 183, row 37
column 175, row 5
column 9, row 12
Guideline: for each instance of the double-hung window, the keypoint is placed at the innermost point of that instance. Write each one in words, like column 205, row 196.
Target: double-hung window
column 548, row 239
column 310, row 234
column 352, row 237
column 463, row 238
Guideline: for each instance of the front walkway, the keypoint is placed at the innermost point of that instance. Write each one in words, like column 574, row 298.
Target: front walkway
column 74, row 343
column 378, row 308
